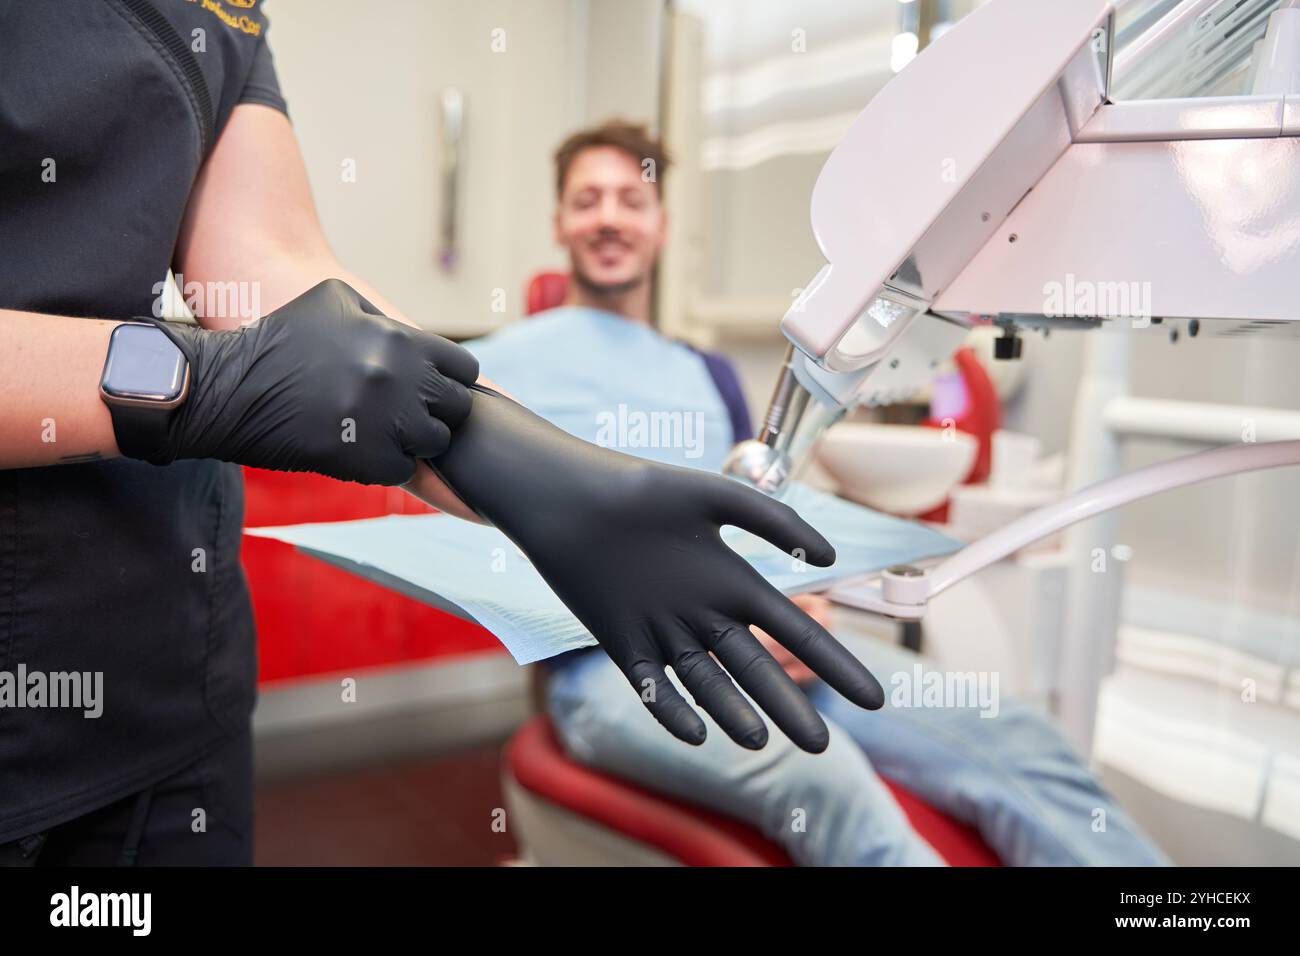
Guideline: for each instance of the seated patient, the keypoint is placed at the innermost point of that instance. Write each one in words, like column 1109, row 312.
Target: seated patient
column 597, row 368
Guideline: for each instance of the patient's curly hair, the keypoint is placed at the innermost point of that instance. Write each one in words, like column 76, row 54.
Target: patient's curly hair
column 632, row 138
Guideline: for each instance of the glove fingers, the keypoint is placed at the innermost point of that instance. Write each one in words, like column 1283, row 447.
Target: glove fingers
column 425, row 437
column 813, row 644
column 450, row 359
column 445, row 398
column 763, row 679
column 772, row 520
column 661, row 699
column 712, row 688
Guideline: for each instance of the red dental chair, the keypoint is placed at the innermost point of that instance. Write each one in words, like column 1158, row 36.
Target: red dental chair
column 566, row 814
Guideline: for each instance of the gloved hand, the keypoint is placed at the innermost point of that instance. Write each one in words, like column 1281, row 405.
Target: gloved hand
column 326, row 383
column 633, row 549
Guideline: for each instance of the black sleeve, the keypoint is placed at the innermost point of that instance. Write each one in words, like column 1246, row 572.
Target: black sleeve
column 263, row 86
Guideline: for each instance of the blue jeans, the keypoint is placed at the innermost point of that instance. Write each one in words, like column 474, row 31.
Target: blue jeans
column 1012, row 776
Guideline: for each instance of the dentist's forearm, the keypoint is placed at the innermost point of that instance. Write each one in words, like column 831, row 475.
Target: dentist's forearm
column 50, row 409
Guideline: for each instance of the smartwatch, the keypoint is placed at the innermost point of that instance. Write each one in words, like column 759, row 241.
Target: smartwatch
column 146, row 377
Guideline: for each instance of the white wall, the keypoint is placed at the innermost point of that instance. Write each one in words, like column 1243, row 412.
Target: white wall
column 623, row 42
column 363, row 82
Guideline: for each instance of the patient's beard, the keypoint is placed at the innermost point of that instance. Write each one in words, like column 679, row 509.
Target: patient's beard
column 606, row 290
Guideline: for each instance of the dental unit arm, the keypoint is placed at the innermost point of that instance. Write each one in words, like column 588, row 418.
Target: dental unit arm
column 993, row 179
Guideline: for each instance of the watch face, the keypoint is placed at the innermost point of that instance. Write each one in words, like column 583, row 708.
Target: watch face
column 143, row 364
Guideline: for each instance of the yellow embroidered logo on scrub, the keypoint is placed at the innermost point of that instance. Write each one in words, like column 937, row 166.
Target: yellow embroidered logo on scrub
column 241, row 22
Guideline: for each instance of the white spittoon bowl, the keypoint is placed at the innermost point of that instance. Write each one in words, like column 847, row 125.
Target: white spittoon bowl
column 901, row 469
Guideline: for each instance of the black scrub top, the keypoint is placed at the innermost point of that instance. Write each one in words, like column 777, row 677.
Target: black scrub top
column 98, row 564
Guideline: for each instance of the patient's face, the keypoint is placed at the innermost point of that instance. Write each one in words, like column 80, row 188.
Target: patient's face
column 610, row 219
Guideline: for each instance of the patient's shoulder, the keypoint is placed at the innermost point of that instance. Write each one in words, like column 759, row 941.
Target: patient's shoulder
column 722, row 371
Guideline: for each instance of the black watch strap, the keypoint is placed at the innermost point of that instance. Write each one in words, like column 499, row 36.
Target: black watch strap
column 142, row 432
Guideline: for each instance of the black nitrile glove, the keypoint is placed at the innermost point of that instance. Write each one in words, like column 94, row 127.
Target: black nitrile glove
column 326, row 384
column 633, row 549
